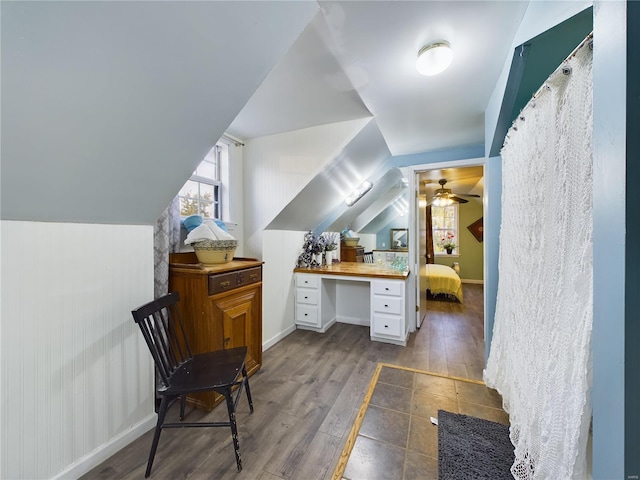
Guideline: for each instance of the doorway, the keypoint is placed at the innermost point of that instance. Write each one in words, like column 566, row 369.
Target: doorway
column 457, row 326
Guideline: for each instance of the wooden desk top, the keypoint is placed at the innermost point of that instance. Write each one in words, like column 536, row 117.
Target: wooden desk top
column 188, row 263
column 353, row 269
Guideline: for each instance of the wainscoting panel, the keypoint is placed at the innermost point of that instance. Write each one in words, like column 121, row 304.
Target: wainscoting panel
column 75, row 373
column 280, row 253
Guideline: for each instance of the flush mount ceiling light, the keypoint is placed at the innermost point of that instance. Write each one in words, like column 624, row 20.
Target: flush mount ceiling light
column 434, row 58
column 358, row 193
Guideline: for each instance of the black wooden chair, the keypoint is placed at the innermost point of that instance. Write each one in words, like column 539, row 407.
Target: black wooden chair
column 182, row 373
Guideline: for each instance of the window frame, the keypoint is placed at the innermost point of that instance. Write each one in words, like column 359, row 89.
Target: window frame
column 216, row 203
column 441, row 231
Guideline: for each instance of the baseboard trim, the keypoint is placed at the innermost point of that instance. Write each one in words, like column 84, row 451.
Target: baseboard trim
column 104, row 451
column 470, row 280
column 276, row 338
column 365, row 322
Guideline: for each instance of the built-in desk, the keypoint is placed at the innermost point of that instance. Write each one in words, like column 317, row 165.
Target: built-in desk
column 357, row 293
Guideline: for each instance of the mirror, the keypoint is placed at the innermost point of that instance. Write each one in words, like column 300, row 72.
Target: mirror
column 399, row 238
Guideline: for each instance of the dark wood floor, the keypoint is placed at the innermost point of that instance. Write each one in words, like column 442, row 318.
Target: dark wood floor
column 306, row 397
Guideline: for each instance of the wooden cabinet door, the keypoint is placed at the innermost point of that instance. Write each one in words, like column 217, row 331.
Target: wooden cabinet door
column 240, row 312
column 237, row 314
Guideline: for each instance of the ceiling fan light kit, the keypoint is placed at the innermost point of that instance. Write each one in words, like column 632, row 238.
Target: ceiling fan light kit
column 442, row 201
column 443, row 197
column 434, row 58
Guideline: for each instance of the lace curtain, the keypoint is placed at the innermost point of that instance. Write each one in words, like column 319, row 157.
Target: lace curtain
column 166, row 239
column 540, row 354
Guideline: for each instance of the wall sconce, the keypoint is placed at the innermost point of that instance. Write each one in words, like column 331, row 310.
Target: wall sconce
column 358, row 193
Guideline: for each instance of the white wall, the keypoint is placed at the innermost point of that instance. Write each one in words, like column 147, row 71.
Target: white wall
column 368, row 241
column 234, row 213
column 277, row 167
column 280, row 252
column 76, row 377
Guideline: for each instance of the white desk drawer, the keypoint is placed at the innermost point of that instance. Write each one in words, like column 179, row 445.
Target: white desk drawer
column 307, row 281
column 307, row 315
column 387, row 326
column 381, row 287
column 391, row 305
column 307, row 295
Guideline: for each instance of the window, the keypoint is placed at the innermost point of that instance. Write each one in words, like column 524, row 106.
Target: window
column 202, row 194
column 444, row 222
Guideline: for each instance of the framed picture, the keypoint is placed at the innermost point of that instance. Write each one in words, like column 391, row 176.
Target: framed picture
column 476, row 229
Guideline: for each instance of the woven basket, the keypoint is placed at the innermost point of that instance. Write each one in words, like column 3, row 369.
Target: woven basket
column 215, row 251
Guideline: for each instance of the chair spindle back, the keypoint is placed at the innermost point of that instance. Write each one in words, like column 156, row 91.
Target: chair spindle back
column 164, row 333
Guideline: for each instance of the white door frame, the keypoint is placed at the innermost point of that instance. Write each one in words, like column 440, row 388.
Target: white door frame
column 414, row 250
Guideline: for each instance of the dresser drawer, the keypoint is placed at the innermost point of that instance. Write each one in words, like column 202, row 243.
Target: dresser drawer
column 387, row 326
column 392, row 305
column 307, row 281
column 307, row 314
column 223, row 282
column 307, row 296
column 382, row 287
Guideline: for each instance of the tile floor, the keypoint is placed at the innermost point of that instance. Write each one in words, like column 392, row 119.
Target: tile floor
column 396, row 439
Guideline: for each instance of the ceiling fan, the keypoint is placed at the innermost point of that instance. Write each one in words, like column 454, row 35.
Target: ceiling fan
column 443, row 196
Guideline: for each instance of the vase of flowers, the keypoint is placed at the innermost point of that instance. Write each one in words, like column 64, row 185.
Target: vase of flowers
column 312, row 249
column 330, row 246
column 448, row 243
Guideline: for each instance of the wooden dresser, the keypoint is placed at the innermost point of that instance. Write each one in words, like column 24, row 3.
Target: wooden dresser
column 351, row 254
column 221, row 306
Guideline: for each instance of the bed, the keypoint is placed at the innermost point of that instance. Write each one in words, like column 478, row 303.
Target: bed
column 442, row 279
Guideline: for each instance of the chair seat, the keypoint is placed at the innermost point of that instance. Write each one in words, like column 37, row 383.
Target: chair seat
column 207, row 371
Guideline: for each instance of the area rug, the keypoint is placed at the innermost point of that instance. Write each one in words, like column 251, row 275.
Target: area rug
column 470, row 447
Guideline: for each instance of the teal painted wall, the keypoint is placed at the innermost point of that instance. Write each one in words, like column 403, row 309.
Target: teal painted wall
column 492, row 220
column 471, row 257
column 609, row 227
column 632, row 248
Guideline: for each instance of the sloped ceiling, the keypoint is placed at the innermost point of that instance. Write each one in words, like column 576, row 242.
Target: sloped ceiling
column 375, row 45
column 306, row 88
column 107, row 107
column 321, row 202
column 384, row 192
column 358, row 58
column 100, row 97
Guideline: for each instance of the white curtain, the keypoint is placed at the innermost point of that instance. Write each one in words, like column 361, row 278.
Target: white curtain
column 166, row 239
column 540, row 354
